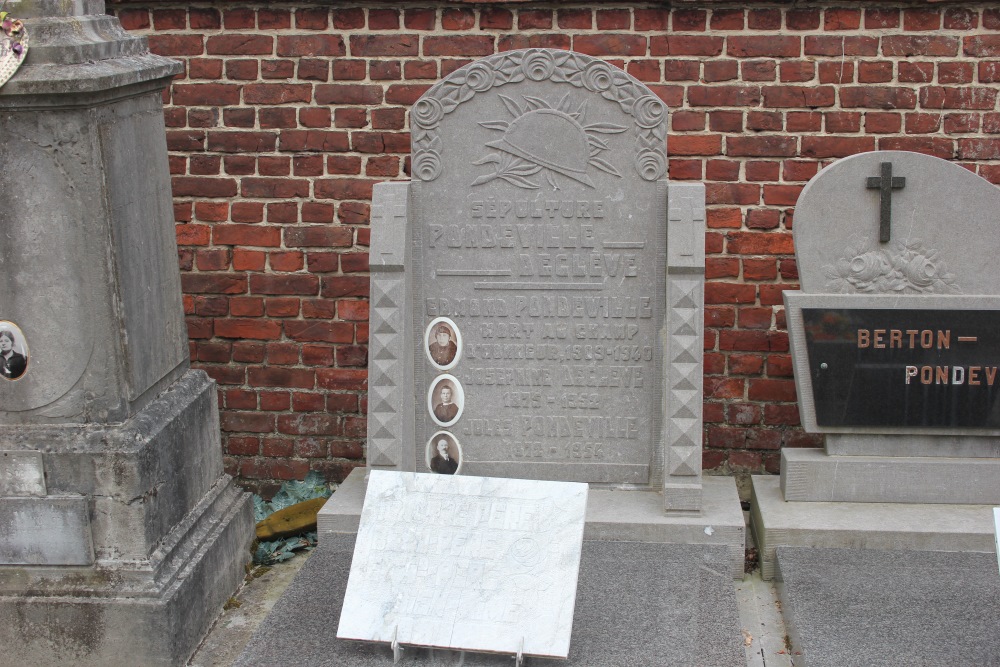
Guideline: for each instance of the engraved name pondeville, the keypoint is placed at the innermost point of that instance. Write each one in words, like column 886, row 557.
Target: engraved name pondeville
column 458, row 552
column 548, row 225
column 928, row 339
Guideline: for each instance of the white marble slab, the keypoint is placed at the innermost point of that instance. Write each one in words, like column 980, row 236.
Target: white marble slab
column 21, row 474
column 472, row 563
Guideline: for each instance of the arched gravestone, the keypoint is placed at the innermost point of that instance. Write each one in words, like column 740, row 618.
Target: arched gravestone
column 526, row 278
column 894, row 293
column 895, row 338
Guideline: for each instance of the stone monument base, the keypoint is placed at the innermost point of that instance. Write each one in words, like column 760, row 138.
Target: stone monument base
column 815, row 475
column 133, row 544
column 863, row 525
column 612, row 516
column 167, row 617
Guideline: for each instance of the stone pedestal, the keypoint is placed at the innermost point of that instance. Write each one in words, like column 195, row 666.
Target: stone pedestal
column 613, row 515
column 120, row 535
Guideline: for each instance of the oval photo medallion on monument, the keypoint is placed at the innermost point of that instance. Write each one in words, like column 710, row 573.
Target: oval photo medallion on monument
column 13, row 351
column 443, row 454
column 445, row 400
column 443, row 343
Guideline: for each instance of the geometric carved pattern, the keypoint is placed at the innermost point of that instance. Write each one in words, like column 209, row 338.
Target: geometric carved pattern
column 684, row 376
column 685, row 346
column 684, row 461
column 388, row 393
column 384, row 369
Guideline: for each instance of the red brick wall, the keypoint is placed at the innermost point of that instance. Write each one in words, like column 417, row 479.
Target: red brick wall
column 288, row 113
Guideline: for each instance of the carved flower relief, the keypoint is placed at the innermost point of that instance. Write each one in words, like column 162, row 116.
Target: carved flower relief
column 866, row 267
column 427, row 113
column 480, row 77
column 427, row 165
column 903, row 267
column 650, row 164
column 538, row 65
column 597, row 76
column 919, row 270
column 648, row 111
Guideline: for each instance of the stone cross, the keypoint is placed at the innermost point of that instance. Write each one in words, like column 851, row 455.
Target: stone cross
column 885, row 183
column 685, row 212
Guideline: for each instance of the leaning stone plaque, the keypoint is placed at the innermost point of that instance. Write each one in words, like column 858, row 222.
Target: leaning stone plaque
column 523, row 285
column 470, row 563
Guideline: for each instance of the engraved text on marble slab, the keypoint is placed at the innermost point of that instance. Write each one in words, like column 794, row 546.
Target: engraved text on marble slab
column 472, row 563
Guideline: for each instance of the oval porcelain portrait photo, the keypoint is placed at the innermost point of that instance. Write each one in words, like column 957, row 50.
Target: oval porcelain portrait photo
column 14, row 354
column 445, row 400
column 443, row 343
column 443, row 454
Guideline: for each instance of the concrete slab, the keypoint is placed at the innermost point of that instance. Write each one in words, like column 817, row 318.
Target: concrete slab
column 918, row 527
column 813, row 475
column 638, row 605
column 847, row 607
column 612, row 515
column 763, row 628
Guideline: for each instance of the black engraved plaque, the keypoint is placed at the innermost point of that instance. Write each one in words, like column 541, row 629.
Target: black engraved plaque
column 912, row 368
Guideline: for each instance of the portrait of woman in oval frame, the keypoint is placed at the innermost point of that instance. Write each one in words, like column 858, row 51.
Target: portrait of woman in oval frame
column 14, row 356
column 445, row 400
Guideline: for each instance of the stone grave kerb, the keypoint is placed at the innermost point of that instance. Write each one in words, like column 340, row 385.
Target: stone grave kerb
column 488, row 127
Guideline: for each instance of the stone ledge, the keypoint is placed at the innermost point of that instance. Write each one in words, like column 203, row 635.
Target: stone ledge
column 812, row 475
column 882, row 526
column 612, row 516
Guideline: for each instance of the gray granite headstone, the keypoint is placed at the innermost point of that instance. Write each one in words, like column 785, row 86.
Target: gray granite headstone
column 891, row 334
column 525, row 275
column 895, row 339
column 120, row 535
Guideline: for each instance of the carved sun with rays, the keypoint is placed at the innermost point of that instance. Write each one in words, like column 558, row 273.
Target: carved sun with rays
column 546, row 139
